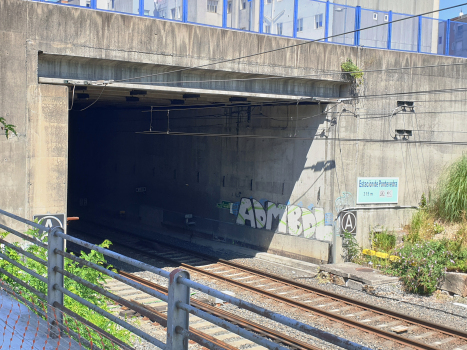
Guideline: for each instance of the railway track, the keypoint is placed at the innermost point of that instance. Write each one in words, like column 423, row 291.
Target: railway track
column 403, row 330
column 198, row 326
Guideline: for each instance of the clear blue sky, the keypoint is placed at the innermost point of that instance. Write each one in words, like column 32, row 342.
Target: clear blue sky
column 448, row 14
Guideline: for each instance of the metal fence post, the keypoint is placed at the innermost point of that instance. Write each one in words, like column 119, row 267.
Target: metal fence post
column 358, row 14
column 447, row 36
column 177, row 319
column 54, row 278
column 261, row 16
column 326, row 22
column 419, row 41
column 295, row 18
column 389, row 29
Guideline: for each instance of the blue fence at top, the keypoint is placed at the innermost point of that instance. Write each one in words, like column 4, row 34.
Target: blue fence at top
column 303, row 19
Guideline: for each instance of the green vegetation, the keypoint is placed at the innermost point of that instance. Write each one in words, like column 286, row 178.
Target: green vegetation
column 355, row 72
column 350, row 245
column 451, row 198
column 8, row 128
column 86, row 273
column 383, row 241
column 436, row 241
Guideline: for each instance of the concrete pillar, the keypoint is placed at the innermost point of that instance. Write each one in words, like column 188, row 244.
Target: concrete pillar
column 48, row 164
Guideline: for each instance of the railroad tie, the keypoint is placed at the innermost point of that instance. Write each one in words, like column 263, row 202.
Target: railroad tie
column 372, row 319
column 212, row 331
column 241, row 342
column 201, row 324
column 444, row 341
column 424, row 335
column 226, row 336
column 390, row 324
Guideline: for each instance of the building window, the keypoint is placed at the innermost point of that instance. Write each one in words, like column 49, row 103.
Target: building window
column 279, row 28
column 229, row 7
column 242, row 4
column 267, row 29
column 375, row 16
column 300, row 25
column 172, row 12
column 386, row 18
column 212, row 6
column 319, row 21
column 440, row 40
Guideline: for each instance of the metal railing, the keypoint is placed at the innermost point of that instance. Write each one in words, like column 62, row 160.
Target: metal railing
column 178, row 297
column 303, row 19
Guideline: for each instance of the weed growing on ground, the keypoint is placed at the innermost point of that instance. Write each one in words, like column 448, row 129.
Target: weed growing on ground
column 384, row 241
column 350, row 246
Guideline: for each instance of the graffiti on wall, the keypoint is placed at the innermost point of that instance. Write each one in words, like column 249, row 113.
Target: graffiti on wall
column 289, row 219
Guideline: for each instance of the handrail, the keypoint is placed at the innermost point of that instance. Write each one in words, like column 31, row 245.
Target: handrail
column 178, row 296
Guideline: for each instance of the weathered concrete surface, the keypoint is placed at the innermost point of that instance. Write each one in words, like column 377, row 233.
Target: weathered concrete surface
column 73, row 41
column 454, row 282
column 358, row 273
column 49, row 151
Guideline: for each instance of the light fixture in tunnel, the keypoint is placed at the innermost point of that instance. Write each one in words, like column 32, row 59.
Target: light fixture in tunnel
column 83, row 96
column 138, row 92
column 237, row 99
column 131, row 99
column 191, row 95
column 177, row 102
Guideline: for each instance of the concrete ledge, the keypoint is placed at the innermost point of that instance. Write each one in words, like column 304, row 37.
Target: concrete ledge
column 282, row 260
column 355, row 272
column 455, row 282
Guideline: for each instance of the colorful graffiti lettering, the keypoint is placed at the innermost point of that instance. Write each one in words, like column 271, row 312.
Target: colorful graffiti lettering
column 290, row 219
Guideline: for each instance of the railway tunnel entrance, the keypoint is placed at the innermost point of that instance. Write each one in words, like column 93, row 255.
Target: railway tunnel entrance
column 240, row 169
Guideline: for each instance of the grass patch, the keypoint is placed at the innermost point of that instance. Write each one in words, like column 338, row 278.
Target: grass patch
column 451, row 197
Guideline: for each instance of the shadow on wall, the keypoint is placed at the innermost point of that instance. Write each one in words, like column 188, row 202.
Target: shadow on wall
column 238, row 190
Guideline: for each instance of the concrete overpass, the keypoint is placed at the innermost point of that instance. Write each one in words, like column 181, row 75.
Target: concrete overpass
column 140, row 74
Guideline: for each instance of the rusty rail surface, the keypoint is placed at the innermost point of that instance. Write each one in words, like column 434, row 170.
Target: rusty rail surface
column 276, row 336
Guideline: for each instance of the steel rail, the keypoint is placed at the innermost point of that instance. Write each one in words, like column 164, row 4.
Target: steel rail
column 264, row 331
column 329, row 315
column 355, row 324
column 401, row 317
column 393, row 314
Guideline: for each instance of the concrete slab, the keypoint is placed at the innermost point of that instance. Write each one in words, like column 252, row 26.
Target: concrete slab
column 359, row 273
column 455, row 282
column 23, row 329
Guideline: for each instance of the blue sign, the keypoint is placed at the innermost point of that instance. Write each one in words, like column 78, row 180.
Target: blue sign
column 377, row 190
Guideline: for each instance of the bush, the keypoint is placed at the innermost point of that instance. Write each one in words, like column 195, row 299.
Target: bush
column 451, row 201
column 422, row 265
column 86, row 273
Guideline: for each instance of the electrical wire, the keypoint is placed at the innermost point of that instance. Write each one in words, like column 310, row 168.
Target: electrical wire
column 175, row 133
column 97, row 99
column 291, row 46
column 72, row 97
column 300, row 76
